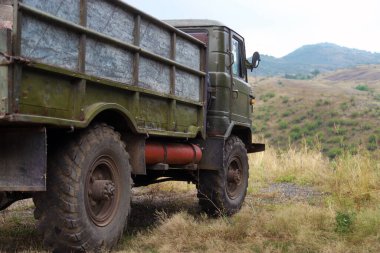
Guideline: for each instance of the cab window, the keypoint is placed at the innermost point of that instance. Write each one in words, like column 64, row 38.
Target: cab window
column 237, row 58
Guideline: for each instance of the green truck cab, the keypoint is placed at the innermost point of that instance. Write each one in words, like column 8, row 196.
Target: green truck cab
column 97, row 96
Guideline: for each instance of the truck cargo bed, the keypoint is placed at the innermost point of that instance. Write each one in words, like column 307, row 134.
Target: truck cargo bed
column 66, row 62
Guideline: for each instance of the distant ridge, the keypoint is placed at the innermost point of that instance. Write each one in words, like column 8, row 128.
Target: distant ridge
column 322, row 57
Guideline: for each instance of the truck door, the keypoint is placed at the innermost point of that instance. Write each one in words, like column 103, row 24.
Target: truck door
column 240, row 89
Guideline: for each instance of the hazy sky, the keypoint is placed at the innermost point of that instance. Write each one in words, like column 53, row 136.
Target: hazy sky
column 277, row 27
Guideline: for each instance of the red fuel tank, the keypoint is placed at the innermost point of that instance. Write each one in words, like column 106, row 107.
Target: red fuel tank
column 172, row 153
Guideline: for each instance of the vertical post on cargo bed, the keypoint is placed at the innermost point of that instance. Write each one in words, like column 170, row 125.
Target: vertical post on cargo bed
column 173, row 102
column 80, row 90
column 82, row 42
column 136, row 42
column 202, row 113
column 173, row 57
column 16, row 50
column 136, row 65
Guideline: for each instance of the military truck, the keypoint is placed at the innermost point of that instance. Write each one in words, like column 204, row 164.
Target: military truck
column 97, row 97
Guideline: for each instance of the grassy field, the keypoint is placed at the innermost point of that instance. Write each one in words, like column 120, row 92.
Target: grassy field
column 341, row 215
column 315, row 189
column 298, row 201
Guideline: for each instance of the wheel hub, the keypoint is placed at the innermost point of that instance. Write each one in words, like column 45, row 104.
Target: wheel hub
column 234, row 178
column 102, row 196
column 102, row 190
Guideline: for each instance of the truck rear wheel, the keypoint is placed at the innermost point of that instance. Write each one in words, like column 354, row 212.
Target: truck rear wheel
column 222, row 192
column 87, row 202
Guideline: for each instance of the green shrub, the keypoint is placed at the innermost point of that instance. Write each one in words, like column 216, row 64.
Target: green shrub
column 311, row 113
column 266, row 117
column 283, row 124
column 344, row 222
column 336, row 140
column 372, row 142
column 342, row 122
column 353, row 149
column 259, row 116
column 321, row 102
column 299, row 119
column 285, row 99
column 362, row 87
column 334, row 113
column 286, row 179
column 320, row 136
column 287, row 113
column 337, row 130
column 354, row 115
column 343, row 106
column 267, row 96
column 334, row 152
column 326, row 102
column 295, row 133
column 348, row 122
column 311, row 126
column 366, row 127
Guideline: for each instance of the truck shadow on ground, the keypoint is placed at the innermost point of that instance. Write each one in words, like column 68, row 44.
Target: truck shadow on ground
column 146, row 210
column 18, row 228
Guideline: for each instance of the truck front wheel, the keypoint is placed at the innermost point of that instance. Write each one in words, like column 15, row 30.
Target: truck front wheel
column 88, row 193
column 222, row 192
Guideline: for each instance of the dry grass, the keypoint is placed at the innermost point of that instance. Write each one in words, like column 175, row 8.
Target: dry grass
column 348, row 176
column 345, row 217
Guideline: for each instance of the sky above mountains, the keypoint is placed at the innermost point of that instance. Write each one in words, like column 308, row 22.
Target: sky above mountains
column 276, row 27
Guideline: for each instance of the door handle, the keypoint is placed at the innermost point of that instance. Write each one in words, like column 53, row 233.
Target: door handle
column 235, row 92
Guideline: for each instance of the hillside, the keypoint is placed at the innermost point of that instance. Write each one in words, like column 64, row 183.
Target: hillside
column 322, row 57
column 338, row 111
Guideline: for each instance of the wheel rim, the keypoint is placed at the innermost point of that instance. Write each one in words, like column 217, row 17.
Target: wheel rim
column 102, row 191
column 234, row 178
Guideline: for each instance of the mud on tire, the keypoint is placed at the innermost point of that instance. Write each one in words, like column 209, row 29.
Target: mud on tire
column 87, row 202
column 223, row 192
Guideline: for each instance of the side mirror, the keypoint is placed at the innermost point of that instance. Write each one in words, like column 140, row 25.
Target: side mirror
column 254, row 63
column 255, row 60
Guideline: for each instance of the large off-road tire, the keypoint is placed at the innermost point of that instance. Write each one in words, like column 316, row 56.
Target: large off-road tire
column 87, row 202
column 222, row 192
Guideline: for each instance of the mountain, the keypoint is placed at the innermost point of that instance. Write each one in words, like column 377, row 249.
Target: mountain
column 320, row 57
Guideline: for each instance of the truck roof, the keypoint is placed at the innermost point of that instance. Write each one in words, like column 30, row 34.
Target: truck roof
column 193, row 22
column 182, row 23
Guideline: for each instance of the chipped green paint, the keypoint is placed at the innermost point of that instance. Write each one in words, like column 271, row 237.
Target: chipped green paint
column 55, row 98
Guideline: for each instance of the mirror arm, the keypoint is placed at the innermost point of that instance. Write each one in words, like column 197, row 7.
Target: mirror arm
column 248, row 65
